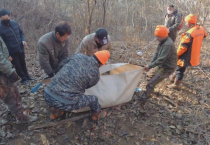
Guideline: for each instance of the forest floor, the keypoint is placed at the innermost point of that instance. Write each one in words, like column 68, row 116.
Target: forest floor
column 170, row 117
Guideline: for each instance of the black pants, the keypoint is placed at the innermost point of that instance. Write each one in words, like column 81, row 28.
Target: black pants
column 20, row 65
column 180, row 72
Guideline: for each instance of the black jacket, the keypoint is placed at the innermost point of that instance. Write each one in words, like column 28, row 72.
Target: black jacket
column 13, row 37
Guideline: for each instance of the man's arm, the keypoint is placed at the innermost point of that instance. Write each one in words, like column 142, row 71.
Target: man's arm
column 184, row 45
column 81, row 48
column 64, row 52
column 178, row 20
column 62, row 63
column 21, row 34
column 154, row 57
column 44, row 59
column 162, row 57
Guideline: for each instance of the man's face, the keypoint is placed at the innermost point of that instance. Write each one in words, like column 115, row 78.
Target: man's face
column 188, row 24
column 5, row 17
column 62, row 38
column 160, row 38
column 170, row 8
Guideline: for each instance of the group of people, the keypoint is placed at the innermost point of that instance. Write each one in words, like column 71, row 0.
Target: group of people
column 169, row 61
column 71, row 75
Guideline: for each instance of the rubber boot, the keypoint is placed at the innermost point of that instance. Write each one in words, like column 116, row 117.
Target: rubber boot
column 175, row 85
column 172, row 77
column 144, row 97
column 56, row 113
column 98, row 115
column 21, row 118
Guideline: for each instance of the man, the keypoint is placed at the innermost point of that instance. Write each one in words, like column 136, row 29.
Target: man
column 66, row 90
column 172, row 22
column 9, row 91
column 14, row 39
column 100, row 40
column 163, row 63
column 189, row 49
column 53, row 48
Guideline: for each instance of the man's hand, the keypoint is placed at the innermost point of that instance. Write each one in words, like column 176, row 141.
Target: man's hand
column 14, row 77
column 10, row 58
column 24, row 44
column 146, row 68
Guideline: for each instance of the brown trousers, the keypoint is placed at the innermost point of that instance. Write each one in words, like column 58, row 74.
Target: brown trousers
column 155, row 76
column 10, row 95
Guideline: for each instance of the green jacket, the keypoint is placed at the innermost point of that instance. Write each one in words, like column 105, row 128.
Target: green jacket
column 5, row 64
column 165, row 56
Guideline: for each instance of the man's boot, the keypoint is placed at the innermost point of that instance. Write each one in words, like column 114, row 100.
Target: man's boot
column 21, row 118
column 172, row 77
column 98, row 115
column 56, row 113
column 175, row 85
column 144, row 97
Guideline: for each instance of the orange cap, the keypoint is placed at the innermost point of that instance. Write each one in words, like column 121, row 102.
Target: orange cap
column 161, row 31
column 191, row 18
column 102, row 56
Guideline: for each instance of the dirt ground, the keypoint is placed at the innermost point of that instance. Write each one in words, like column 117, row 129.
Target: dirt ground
column 169, row 118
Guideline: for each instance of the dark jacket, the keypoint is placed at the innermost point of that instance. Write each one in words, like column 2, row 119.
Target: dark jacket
column 12, row 36
column 51, row 52
column 77, row 73
column 165, row 56
column 173, row 23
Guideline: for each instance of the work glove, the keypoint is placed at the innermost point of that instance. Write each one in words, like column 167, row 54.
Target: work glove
column 14, row 77
column 50, row 76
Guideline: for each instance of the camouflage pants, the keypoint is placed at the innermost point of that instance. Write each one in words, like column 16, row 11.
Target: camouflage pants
column 10, row 95
column 155, row 76
column 83, row 101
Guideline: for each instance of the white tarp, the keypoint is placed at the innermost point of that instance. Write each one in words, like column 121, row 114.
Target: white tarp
column 116, row 88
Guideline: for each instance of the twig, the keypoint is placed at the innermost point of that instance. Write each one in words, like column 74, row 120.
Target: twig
column 59, row 122
column 203, row 72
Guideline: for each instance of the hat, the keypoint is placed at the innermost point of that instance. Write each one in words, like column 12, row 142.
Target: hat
column 102, row 56
column 161, row 31
column 102, row 36
column 4, row 12
column 191, row 18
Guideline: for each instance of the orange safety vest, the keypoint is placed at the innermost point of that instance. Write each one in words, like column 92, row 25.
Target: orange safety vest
column 190, row 46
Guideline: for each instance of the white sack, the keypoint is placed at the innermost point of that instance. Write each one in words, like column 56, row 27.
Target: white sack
column 116, row 88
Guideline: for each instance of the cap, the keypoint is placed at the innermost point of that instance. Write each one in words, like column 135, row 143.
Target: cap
column 102, row 36
column 4, row 12
column 102, row 56
column 191, row 18
column 161, row 31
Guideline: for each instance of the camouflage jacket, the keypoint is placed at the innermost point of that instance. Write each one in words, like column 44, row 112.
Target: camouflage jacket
column 77, row 73
column 5, row 65
column 88, row 45
column 51, row 52
column 173, row 22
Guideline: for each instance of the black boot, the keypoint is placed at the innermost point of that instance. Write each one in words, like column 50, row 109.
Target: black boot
column 24, row 82
column 30, row 78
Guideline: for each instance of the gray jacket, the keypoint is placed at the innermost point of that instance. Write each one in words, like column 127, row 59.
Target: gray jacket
column 173, row 23
column 77, row 73
column 51, row 52
column 5, row 65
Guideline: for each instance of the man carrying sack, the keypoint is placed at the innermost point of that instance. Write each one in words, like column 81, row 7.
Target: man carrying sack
column 163, row 63
column 66, row 90
column 100, row 40
column 189, row 50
